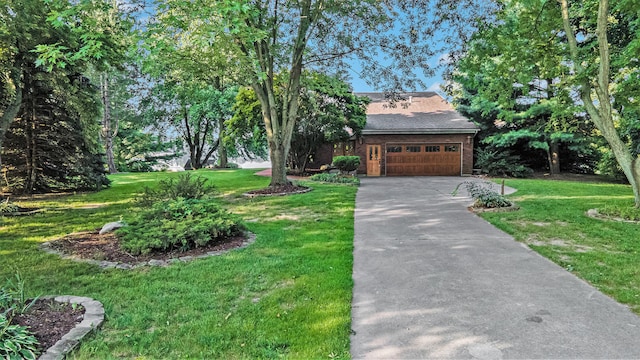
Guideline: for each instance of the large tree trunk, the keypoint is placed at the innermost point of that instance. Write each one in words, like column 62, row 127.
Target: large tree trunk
column 553, row 155
column 222, row 152
column 107, row 131
column 11, row 111
column 601, row 112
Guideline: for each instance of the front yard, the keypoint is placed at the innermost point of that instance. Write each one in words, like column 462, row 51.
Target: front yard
column 288, row 294
column 553, row 221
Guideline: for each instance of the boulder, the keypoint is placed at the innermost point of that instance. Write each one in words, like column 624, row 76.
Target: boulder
column 109, row 227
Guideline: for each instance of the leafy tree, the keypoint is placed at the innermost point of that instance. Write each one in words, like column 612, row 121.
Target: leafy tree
column 244, row 132
column 265, row 38
column 587, row 54
column 54, row 142
column 328, row 112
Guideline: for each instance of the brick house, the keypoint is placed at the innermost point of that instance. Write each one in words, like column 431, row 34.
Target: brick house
column 421, row 135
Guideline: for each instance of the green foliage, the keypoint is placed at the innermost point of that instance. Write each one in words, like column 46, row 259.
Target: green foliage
column 346, row 163
column 501, row 163
column 335, row 178
column 630, row 213
column 185, row 186
column 13, row 298
column 139, row 165
column 16, row 342
column 484, row 195
column 7, row 206
column 178, row 224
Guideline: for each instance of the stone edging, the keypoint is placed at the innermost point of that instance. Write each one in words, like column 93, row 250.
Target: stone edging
column 249, row 195
column 92, row 319
column 153, row 262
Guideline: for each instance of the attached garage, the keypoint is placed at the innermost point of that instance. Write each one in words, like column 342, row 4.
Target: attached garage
column 421, row 135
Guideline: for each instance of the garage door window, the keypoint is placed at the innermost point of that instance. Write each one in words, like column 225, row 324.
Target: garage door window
column 451, row 148
column 432, row 148
column 414, row 149
column 394, row 149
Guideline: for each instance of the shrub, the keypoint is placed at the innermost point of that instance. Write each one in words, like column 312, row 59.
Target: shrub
column 335, row 178
column 346, row 163
column 178, row 224
column 185, row 186
column 630, row 213
column 501, row 163
column 484, row 196
column 7, row 207
column 16, row 342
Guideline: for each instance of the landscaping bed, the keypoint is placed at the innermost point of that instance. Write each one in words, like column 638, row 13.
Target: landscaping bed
column 90, row 245
column 49, row 321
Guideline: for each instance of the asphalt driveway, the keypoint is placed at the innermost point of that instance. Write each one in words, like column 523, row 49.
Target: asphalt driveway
column 433, row 280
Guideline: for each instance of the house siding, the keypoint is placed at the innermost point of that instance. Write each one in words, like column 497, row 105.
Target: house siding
column 466, row 140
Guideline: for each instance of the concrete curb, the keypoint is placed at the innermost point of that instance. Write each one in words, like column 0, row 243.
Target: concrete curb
column 92, row 320
column 153, row 262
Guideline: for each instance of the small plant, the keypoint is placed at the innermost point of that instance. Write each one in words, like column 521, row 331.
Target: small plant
column 7, row 207
column 16, row 342
column 484, row 195
column 335, row 178
column 185, row 186
column 13, row 297
column 178, row 224
column 346, row 163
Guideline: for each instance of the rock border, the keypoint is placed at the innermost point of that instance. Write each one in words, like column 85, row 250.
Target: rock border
column 46, row 246
column 92, row 320
column 250, row 195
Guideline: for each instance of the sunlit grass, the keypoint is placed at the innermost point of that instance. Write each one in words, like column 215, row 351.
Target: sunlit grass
column 286, row 295
column 553, row 221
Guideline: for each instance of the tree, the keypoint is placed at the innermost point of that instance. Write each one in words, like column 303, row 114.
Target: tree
column 265, row 38
column 34, row 99
column 197, row 112
column 329, row 112
column 586, row 51
column 596, row 84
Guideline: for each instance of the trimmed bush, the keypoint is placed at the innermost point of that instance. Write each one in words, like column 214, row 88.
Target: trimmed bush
column 335, row 178
column 346, row 163
column 185, row 186
column 484, row 196
column 180, row 224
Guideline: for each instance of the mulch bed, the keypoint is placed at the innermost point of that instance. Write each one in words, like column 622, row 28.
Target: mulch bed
column 106, row 247
column 279, row 190
column 50, row 320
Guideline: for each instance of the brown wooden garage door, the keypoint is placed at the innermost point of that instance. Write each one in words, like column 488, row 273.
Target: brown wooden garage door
column 423, row 159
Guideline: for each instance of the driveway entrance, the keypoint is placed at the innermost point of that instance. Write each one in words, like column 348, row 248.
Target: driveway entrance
column 432, row 280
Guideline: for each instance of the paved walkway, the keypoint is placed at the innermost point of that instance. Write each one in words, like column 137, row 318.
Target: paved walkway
column 433, row 280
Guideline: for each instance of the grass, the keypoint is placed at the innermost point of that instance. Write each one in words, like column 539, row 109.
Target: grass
column 286, row 295
column 552, row 221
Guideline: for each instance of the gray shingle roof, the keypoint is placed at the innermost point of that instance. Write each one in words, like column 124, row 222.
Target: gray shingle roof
column 417, row 113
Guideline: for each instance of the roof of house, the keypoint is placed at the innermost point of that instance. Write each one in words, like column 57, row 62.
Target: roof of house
column 415, row 113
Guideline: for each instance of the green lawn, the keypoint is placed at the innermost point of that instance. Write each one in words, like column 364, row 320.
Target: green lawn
column 552, row 221
column 286, row 295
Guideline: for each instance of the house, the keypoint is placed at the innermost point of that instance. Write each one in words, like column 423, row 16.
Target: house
column 420, row 135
